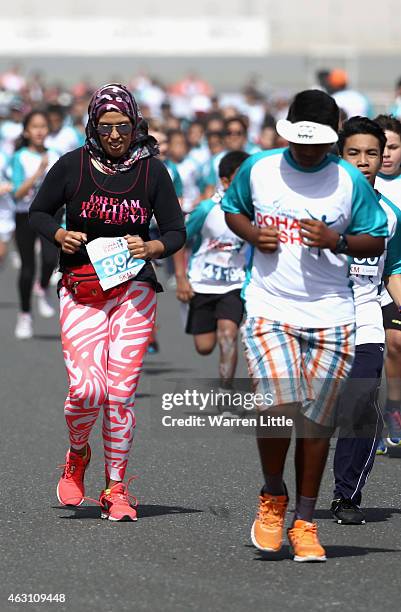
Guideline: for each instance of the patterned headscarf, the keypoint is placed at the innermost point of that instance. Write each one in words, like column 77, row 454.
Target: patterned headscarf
column 116, row 97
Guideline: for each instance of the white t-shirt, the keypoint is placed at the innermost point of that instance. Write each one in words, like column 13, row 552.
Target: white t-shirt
column 217, row 264
column 201, row 155
column 9, row 132
column 390, row 187
column 256, row 114
column 299, row 285
column 24, row 164
column 367, row 274
column 7, row 206
column 190, row 174
column 353, row 103
column 64, row 141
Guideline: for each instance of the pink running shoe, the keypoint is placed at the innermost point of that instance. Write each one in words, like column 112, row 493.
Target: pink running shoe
column 117, row 504
column 70, row 488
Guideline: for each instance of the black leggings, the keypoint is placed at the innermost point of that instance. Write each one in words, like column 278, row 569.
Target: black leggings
column 25, row 238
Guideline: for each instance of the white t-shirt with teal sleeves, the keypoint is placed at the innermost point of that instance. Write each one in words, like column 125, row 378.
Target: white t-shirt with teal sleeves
column 190, row 174
column 297, row 284
column 217, row 263
column 211, row 170
column 392, row 263
column 24, row 164
column 367, row 274
column 389, row 186
column 175, row 177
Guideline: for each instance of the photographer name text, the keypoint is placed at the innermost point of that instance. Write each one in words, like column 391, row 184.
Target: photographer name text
column 261, row 420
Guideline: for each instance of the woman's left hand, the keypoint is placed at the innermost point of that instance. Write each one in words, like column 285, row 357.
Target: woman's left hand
column 144, row 250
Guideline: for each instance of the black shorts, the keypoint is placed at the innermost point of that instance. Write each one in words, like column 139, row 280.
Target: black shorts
column 205, row 309
column 391, row 317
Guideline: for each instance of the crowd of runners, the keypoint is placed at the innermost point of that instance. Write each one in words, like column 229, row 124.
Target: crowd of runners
column 277, row 218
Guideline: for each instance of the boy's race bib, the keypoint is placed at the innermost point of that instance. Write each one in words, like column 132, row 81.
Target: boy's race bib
column 365, row 266
column 112, row 261
column 224, row 266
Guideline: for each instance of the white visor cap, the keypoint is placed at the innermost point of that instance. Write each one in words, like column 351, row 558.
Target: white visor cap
column 306, row 132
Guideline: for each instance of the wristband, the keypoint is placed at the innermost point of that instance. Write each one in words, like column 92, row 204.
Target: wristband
column 342, row 247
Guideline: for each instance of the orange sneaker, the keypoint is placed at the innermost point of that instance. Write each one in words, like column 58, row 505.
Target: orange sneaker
column 305, row 543
column 116, row 503
column 70, row 488
column 267, row 529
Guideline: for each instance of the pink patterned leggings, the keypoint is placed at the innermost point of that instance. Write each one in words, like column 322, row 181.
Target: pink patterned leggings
column 104, row 346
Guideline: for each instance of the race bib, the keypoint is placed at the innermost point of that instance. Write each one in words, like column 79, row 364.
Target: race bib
column 219, row 258
column 365, row 266
column 225, row 275
column 112, row 261
column 224, row 266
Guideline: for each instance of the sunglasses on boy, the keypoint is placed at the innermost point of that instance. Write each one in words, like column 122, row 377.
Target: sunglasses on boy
column 105, row 129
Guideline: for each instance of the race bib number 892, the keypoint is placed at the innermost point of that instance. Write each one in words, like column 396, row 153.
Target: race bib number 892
column 112, row 261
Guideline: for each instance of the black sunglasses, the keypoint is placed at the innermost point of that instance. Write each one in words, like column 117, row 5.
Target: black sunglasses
column 105, row 129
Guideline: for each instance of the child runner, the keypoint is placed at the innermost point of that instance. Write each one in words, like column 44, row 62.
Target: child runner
column 29, row 165
column 7, row 208
column 215, row 276
column 161, row 136
column 188, row 169
column 235, row 139
column 362, row 143
column 302, row 209
column 388, row 182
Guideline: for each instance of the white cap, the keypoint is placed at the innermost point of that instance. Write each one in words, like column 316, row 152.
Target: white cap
column 306, row 132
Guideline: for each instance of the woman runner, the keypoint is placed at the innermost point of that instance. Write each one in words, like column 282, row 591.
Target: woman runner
column 111, row 186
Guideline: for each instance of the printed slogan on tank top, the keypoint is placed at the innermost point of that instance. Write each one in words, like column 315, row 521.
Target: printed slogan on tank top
column 114, row 210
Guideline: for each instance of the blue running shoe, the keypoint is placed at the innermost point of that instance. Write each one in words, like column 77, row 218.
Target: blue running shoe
column 393, row 422
column 393, row 442
column 382, row 448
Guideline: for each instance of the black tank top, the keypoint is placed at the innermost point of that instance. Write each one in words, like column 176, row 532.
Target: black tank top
column 108, row 206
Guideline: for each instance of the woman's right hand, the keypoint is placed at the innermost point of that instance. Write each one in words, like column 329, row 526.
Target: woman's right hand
column 70, row 242
column 184, row 291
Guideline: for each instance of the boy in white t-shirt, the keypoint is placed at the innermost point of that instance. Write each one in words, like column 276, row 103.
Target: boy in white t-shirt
column 216, row 272
column 361, row 143
column 304, row 211
column 388, row 182
column 188, row 169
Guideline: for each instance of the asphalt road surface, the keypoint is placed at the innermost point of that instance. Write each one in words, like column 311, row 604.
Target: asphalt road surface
column 197, row 491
